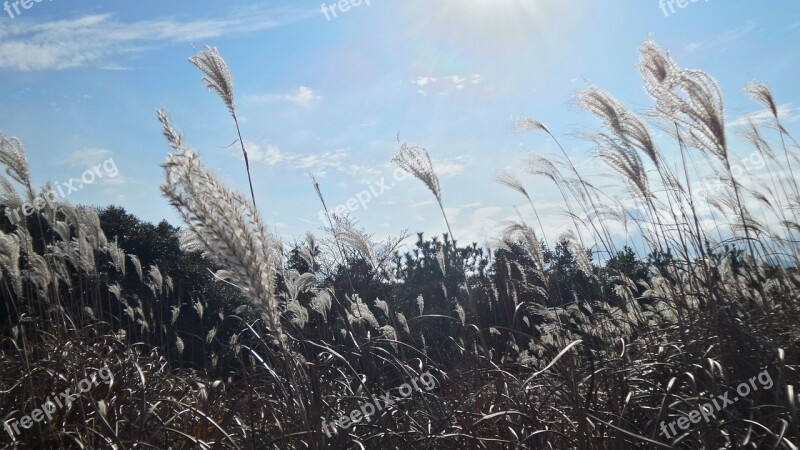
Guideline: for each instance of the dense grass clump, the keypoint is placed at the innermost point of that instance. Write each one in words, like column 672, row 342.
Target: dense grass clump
column 221, row 335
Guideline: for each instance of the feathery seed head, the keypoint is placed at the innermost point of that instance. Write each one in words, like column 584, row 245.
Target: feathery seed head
column 227, row 228
column 12, row 155
column 624, row 124
column 218, row 77
column 355, row 239
column 417, row 162
column 761, row 94
column 690, row 98
column 511, row 181
column 525, row 125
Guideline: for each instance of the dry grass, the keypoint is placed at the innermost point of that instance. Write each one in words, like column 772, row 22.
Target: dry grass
column 719, row 305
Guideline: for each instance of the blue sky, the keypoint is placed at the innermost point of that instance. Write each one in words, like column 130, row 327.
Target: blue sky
column 80, row 81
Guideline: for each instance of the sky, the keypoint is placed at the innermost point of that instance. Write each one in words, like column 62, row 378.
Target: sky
column 328, row 90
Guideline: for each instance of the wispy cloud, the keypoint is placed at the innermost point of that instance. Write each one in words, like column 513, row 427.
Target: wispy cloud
column 449, row 168
column 448, row 84
column 722, row 41
column 421, row 204
column 269, row 155
column 302, row 96
column 97, row 39
column 786, row 112
column 319, row 163
column 86, row 157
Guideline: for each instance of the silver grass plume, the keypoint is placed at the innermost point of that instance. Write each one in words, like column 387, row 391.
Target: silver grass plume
column 297, row 313
column 417, row 162
column 401, row 319
column 117, row 256
column 441, row 260
column 9, row 259
column 59, row 269
column 525, row 125
column 12, row 156
column 624, row 161
column 211, row 334
column 625, row 125
column 198, row 308
column 156, row 278
column 388, row 332
column 297, row 283
column 169, row 286
column 137, row 265
column 228, row 227
column 361, row 313
column 9, row 197
column 50, row 209
column 752, row 134
column 175, row 311
column 322, row 302
column 690, row 98
column 218, row 79
column 70, row 219
column 179, row 344
column 383, row 306
column 462, row 317
column 39, row 274
column 78, row 252
column 581, row 256
column 519, row 231
column 307, row 252
column 25, row 240
column 655, row 67
column 357, row 240
column 511, row 181
column 89, row 226
column 760, row 93
column 539, row 165
column 115, row 290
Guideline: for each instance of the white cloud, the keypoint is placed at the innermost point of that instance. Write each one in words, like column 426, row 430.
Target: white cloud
column 450, row 168
column 318, row 163
column 482, row 225
column 270, row 155
column 723, row 40
column 302, row 96
column 448, row 84
column 97, row 39
column 86, row 157
column 421, row 204
column 321, row 162
column 786, row 112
